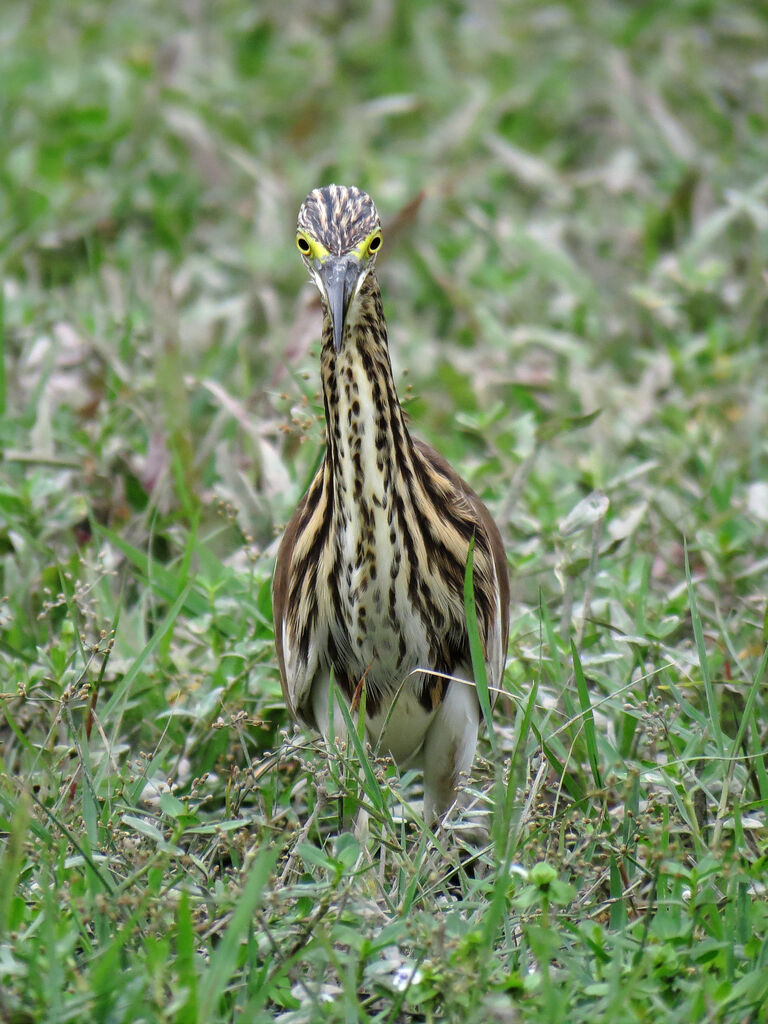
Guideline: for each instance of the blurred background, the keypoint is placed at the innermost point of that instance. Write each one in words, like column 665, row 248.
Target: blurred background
column 574, row 203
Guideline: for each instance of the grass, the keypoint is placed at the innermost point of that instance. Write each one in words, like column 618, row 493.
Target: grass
column 575, row 206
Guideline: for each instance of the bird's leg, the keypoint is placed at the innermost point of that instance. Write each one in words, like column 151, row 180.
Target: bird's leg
column 449, row 748
column 333, row 727
column 331, row 724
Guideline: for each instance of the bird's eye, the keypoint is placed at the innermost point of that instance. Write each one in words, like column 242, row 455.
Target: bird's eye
column 304, row 247
column 375, row 243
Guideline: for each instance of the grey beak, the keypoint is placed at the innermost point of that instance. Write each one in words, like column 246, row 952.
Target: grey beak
column 339, row 275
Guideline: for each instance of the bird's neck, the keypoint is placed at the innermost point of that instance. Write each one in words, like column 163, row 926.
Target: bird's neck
column 368, row 443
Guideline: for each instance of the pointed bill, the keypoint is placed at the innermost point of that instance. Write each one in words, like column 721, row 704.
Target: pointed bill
column 339, row 275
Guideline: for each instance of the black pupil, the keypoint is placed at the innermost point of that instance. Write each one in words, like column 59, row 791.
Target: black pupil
column 375, row 243
column 304, row 245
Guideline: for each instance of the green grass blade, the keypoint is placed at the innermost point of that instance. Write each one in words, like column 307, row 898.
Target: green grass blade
column 224, row 961
column 698, row 633
column 3, row 378
column 185, row 962
column 749, row 704
column 587, row 716
column 12, row 858
column 475, row 644
column 371, row 787
column 124, row 687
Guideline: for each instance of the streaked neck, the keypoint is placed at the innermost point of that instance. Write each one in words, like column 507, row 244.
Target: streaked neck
column 366, row 433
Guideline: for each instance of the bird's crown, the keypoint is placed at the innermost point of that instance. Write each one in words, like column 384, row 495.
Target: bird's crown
column 338, row 217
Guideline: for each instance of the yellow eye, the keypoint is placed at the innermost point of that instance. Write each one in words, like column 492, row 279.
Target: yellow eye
column 304, row 247
column 375, row 244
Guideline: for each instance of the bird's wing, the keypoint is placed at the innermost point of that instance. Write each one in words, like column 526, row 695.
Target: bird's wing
column 497, row 634
column 295, row 676
column 300, row 635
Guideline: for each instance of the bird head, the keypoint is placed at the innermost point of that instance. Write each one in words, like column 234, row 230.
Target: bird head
column 338, row 235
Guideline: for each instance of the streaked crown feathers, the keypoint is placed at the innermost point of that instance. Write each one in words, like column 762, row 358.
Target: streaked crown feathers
column 338, row 217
